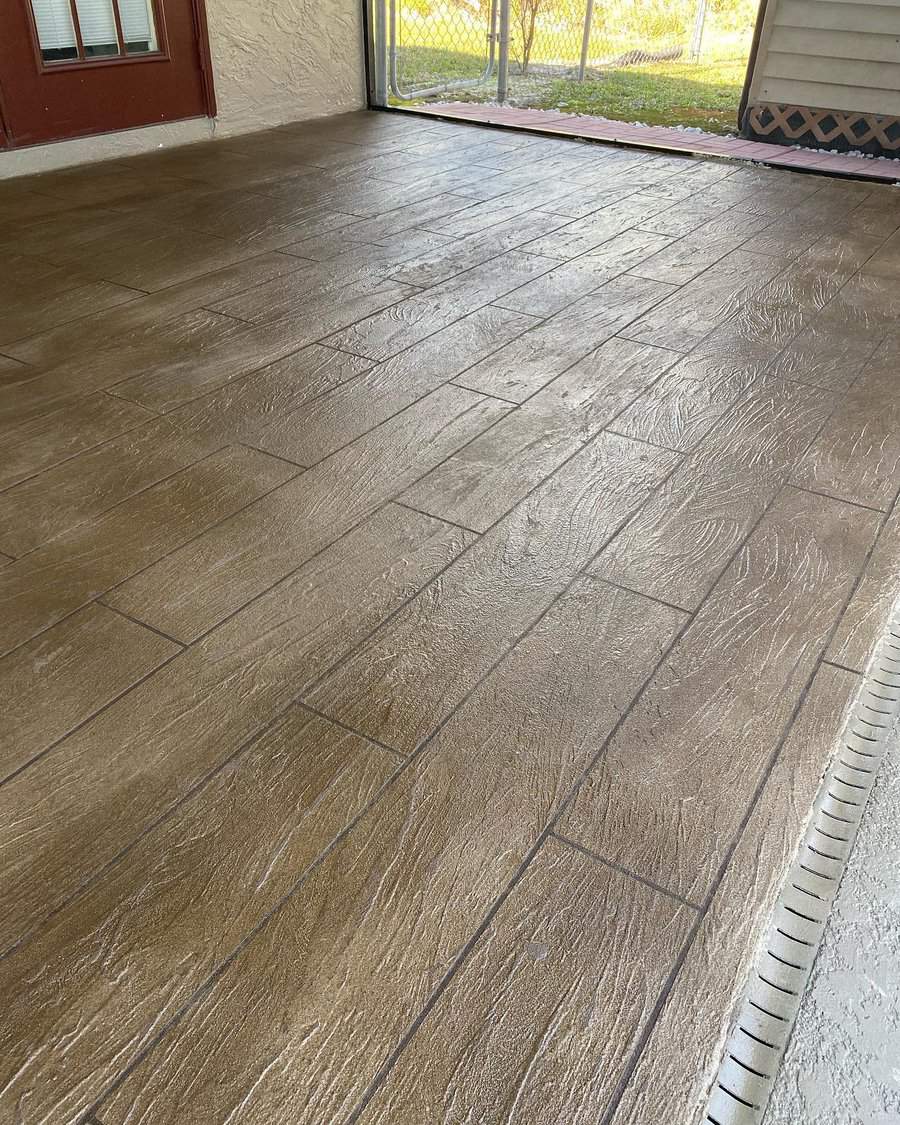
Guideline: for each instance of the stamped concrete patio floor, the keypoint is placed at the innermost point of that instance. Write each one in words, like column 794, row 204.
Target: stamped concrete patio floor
column 436, row 563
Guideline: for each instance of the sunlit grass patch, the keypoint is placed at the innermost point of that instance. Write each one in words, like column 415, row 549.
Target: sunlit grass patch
column 702, row 95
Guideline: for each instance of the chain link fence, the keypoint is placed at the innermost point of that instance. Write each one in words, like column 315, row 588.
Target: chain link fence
column 438, row 48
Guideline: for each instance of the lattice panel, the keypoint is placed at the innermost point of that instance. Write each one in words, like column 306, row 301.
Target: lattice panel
column 824, row 127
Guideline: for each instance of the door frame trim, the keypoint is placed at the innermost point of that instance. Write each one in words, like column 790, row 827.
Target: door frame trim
column 201, row 33
column 6, row 141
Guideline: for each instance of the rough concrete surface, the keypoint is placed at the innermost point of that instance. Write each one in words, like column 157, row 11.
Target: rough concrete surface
column 842, row 1066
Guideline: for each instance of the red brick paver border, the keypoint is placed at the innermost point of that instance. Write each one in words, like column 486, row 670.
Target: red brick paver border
column 656, row 136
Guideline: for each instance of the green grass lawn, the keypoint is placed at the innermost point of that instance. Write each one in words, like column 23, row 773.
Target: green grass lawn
column 428, row 66
column 700, row 94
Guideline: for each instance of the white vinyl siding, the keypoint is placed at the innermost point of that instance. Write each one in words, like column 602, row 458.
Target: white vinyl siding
column 830, row 54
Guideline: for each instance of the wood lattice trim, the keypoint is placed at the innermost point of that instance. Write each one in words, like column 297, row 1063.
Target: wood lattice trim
column 814, row 128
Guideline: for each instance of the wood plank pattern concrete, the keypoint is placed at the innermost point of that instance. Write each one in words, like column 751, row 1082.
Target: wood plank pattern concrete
column 434, row 562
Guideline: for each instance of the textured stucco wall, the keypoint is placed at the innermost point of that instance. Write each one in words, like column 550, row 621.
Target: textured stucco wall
column 285, row 60
column 274, row 61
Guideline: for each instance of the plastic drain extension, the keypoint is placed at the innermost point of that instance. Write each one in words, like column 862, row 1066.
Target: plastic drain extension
column 765, row 1017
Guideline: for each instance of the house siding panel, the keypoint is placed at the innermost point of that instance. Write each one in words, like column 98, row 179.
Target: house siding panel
column 841, row 56
column 812, row 55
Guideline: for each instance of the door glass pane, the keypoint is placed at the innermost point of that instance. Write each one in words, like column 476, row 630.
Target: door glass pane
column 98, row 27
column 138, row 26
column 56, row 32
column 97, row 24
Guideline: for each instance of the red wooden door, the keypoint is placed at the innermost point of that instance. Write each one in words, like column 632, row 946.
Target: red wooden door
column 69, row 68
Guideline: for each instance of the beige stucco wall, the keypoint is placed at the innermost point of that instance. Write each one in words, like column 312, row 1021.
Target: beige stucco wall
column 274, row 61
column 285, row 60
